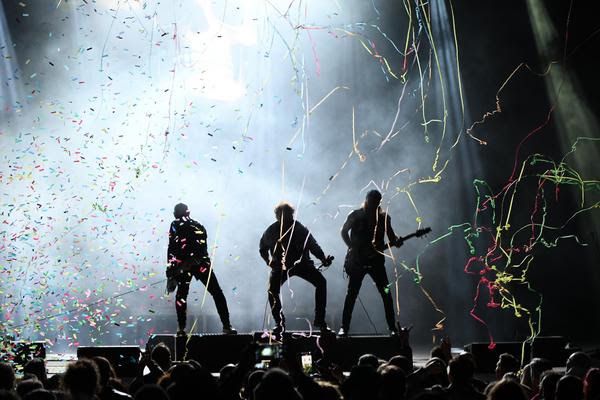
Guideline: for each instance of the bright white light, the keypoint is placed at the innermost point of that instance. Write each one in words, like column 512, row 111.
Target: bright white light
column 8, row 66
column 209, row 55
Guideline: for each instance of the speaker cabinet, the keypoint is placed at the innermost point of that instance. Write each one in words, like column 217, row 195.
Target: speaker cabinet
column 124, row 359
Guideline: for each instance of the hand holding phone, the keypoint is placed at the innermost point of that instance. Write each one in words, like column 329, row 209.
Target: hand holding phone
column 306, row 361
column 266, row 354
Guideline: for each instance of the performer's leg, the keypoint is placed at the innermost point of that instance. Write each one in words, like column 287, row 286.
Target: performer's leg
column 314, row 277
column 216, row 292
column 276, row 279
column 354, row 284
column 183, row 288
column 380, row 278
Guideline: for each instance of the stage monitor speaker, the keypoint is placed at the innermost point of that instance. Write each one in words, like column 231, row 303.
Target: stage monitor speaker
column 552, row 348
column 486, row 358
column 212, row 351
column 215, row 351
column 124, row 359
column 176, row 344
column 347, row 351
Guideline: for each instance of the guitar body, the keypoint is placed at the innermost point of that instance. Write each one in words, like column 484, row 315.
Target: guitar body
column 356, row 261
column 360, row 259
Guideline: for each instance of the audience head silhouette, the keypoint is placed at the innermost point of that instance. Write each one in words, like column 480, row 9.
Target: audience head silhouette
column 507, row 389
column 81, row 379
column 276, row 385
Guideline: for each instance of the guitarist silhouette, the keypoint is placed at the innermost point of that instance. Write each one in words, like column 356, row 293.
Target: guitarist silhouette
column 286, row 246
column 188, row 257
column 364, row 233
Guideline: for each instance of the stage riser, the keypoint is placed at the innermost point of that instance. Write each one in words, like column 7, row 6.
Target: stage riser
column 215, row 351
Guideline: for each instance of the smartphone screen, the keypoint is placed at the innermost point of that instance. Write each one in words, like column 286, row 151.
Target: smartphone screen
column 268, row 352
column 263, row 364
column 306, row 360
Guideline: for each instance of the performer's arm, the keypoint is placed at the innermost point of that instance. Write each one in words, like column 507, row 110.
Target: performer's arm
column 200, row 235
column 172, row 249
column 314, row 247
column 174, row 245
column 263, row 247
column 346, row 229
column 393, row 239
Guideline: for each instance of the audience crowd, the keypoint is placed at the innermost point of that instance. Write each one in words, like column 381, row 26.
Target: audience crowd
column 443, row 377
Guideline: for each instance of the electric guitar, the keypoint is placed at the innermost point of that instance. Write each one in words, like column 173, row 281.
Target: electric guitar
column 359, row 259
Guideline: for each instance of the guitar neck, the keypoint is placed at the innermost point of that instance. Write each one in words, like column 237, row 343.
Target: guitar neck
column 412, row 235
column 418, row 233
column 404, row 238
